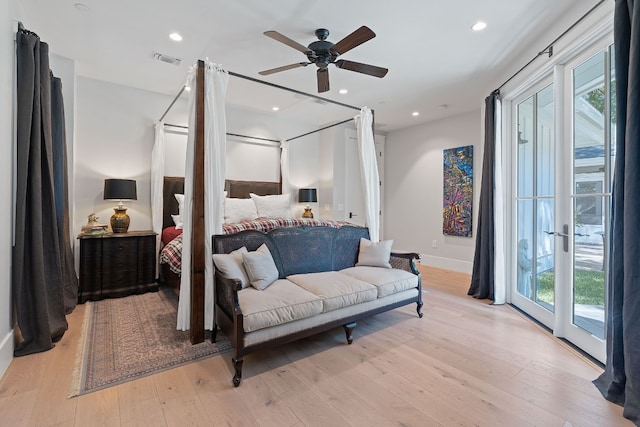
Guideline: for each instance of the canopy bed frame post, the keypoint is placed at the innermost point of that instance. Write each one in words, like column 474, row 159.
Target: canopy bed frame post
column 197, row 237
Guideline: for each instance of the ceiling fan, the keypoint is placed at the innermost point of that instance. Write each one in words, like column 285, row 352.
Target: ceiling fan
column 322, row 53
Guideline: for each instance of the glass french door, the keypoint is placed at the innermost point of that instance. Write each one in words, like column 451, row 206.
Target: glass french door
column 565, row 151
column 536, row 204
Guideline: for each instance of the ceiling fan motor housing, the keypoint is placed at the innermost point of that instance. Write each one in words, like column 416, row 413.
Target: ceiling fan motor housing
column 321, row 53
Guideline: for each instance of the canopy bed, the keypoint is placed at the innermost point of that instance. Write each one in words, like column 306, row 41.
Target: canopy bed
column 204, row 185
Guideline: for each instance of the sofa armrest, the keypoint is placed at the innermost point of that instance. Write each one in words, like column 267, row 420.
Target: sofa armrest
column 227, row 295
column 405, row 261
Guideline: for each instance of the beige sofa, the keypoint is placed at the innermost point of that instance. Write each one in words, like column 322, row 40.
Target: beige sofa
column 317, row 285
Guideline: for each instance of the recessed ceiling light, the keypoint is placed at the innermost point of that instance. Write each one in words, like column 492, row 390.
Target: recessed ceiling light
column 479, row 26
column 343, row 91
column 275, row 108
column 175, row 37
column 415, row 114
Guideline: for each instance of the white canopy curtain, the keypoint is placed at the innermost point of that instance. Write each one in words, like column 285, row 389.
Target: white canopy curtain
column 284, row 166
column 215, row 87
column 157, row 173
column 369, row 171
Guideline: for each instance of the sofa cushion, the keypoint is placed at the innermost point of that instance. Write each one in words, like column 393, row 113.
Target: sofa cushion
column 230, row 265
column 280, row 303
column 375, row 254
column 388, row 280
column 336, row 290
column 261, row 269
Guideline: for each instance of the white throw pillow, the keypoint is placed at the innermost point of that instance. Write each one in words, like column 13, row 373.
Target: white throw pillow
column 177, row 219
column 375, row 254
column 231, row 266
column 276, row 206
column 261, row 269
column 236, row 210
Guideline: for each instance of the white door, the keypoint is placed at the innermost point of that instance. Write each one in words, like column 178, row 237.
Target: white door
column 586, row 197
column 564, row 158
column 354, row 200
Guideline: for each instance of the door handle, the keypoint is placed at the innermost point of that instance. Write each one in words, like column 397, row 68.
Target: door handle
column 351, row 215
column 564, row 235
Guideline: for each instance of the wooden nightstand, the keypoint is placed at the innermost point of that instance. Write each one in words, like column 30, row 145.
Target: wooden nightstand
column 116, row 265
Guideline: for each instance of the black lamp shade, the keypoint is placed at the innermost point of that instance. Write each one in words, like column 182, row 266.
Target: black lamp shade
column 120, row 189
column 307, row 195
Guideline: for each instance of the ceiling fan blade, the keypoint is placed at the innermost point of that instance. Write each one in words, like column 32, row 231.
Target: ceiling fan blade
column 286, row 40
column 359, row 67
column 354, row 39
column 283, row 68
column 323, row 80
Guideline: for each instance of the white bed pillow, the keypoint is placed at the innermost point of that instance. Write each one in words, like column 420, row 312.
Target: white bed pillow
column 177, row 219
column 375, row 254
column 261, row 269
column 231, row 266
column 236, row 210
column 276, row 206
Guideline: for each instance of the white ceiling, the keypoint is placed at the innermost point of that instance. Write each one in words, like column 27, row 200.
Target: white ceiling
column 433, row 56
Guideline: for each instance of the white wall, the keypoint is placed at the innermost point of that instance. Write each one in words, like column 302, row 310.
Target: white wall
column 9, row 13
column 413, row 199
column 114, row 138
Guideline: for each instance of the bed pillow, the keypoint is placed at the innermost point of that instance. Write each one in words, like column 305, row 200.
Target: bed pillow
column 276, row 206
column 231, row 265
column 236, row 210
column 177, row 219
column 375, row 254
column 261, row 269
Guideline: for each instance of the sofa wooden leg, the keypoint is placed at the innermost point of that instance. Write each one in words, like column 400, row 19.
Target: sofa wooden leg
column 419, row 309
column 348, row 329
column 214, row 333
column 237, row 365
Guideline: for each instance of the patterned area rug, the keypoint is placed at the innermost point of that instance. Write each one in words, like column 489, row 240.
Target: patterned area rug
column 127, row 338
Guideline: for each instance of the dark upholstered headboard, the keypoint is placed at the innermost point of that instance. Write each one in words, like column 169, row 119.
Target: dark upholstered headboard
column 172, row 185
column 235, row 189
column 241, row 189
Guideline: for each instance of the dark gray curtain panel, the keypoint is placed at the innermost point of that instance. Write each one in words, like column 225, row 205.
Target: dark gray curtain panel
column 482, row 278
column 620, row 382
column 61, row 196
column 37, row 279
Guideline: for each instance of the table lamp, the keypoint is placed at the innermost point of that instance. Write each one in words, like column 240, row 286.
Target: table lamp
column 120, row 189
column 307, row 195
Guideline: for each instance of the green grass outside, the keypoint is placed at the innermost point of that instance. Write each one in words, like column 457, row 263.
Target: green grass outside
column 589, row 287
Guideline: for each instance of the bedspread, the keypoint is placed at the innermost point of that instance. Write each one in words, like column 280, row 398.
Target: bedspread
column 171, row 253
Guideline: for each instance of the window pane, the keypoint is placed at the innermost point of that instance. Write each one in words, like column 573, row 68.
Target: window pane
column 525, row 148
column 525, row 247
column 544, row 142
column 589, row 122
column 545, row 253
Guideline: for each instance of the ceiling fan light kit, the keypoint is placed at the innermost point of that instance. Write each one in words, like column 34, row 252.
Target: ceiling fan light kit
column 323, row 52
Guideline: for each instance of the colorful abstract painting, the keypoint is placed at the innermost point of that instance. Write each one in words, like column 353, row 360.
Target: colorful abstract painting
column 457, row 206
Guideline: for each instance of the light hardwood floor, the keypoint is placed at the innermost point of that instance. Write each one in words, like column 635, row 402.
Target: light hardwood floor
column 466, row 363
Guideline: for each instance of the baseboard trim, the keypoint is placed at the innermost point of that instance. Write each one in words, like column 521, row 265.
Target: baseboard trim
column 6, row 352
column 447, row 263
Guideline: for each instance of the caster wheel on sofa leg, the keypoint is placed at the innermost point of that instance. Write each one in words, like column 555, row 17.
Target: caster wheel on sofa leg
column 236, row 380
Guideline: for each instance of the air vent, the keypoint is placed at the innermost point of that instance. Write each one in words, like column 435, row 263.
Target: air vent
column 166, row 58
